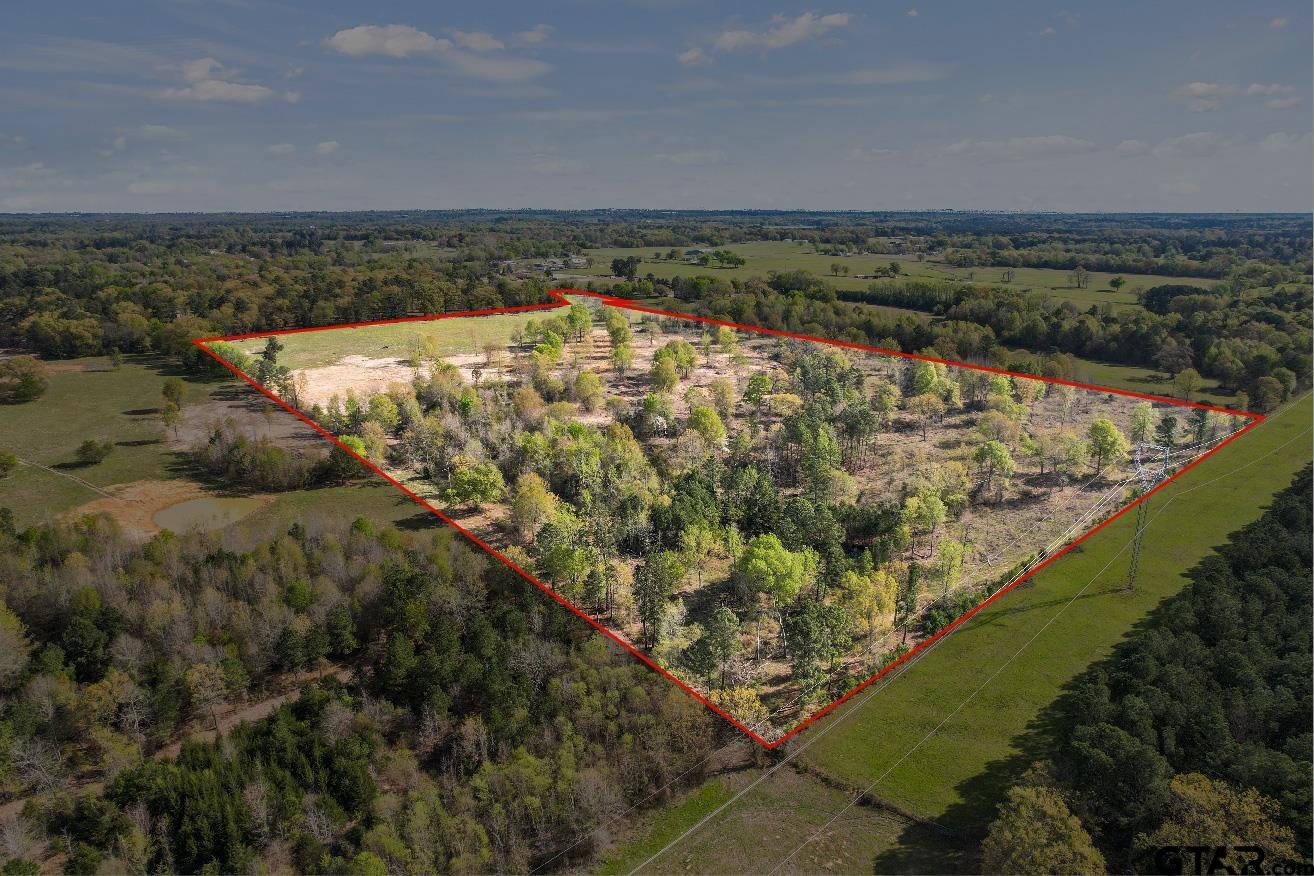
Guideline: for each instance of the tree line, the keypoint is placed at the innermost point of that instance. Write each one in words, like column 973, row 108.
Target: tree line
column 1195, row 732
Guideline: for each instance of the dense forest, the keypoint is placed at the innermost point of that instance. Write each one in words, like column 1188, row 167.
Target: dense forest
column 1196, row 730
column 483, row 728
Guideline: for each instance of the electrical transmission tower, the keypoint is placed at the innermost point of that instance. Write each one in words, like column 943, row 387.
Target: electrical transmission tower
column 1150, row 471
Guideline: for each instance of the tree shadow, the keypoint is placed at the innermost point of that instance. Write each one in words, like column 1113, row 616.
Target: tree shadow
column 420, row 520
column 921, row 849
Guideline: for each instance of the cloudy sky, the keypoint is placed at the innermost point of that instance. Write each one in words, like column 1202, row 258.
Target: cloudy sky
column 254, row 105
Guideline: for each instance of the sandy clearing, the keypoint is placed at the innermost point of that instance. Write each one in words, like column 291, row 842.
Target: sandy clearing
column 359, row 374
column 366, row 376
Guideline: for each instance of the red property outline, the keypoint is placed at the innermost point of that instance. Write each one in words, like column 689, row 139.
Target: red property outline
column 561, row 301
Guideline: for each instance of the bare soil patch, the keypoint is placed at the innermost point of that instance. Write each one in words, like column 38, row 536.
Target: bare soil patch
column 133, row 505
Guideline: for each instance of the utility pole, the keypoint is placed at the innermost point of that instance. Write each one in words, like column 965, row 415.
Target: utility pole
column 1150, row 472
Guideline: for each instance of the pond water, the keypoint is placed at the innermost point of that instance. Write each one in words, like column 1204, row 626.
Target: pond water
column 210, row 512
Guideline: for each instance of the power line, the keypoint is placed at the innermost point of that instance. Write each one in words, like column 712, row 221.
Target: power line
column 857, row 702
column 933, row 731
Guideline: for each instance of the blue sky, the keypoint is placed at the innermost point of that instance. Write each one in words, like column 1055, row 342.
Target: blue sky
column 245, row 105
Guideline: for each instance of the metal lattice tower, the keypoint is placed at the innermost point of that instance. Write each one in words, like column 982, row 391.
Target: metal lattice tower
column 1150, row 471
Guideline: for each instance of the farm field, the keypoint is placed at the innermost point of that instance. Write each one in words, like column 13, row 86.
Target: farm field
column 900, row 491
column 955, row 750
column 764, row 257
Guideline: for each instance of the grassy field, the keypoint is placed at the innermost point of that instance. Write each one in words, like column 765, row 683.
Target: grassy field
column 1139, row 379
column 372, row 498
column 766, row 256
column 944, row 740
column 759, row 830
column 87, row 399
column 453, row 336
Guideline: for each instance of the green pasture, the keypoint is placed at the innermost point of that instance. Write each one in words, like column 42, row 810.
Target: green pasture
column 119, row 405
column 764, row 257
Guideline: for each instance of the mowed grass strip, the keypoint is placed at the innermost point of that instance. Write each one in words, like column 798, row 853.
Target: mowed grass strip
column 921, row 738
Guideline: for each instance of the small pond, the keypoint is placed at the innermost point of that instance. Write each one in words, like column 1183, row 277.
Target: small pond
column 210, row 512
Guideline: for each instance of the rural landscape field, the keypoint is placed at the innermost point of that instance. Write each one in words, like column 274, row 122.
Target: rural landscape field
column 814, row 511
column 656, row 438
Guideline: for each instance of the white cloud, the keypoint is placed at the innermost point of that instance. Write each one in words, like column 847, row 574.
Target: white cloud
column 781, row 33
column 1282, row 142
column 912, row 13
column 1278, row 23
column 1206, row 90
column 477, row 41
column 327, row 147
column 1048, row 32
column 1018, row 148
column 693, row 157
column 1281, row 103
column 535, row 35
column 1273, row 88
column 393, row 40
column 1132, row 147
column 200, row 69
column 204, row 86
column 1198, row 144
column 867, row 155
column 402, row 41
column 694, row 57
column 283, row 148
column 219, row 90
column 1208, row 96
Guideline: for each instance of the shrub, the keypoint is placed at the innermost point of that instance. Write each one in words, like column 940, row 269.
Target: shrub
column 91, row 451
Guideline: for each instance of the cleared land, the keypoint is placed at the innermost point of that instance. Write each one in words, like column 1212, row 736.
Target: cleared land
column 970, row 711
column 893, row 520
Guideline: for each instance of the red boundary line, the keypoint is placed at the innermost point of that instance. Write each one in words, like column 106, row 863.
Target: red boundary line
column 561, row 301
